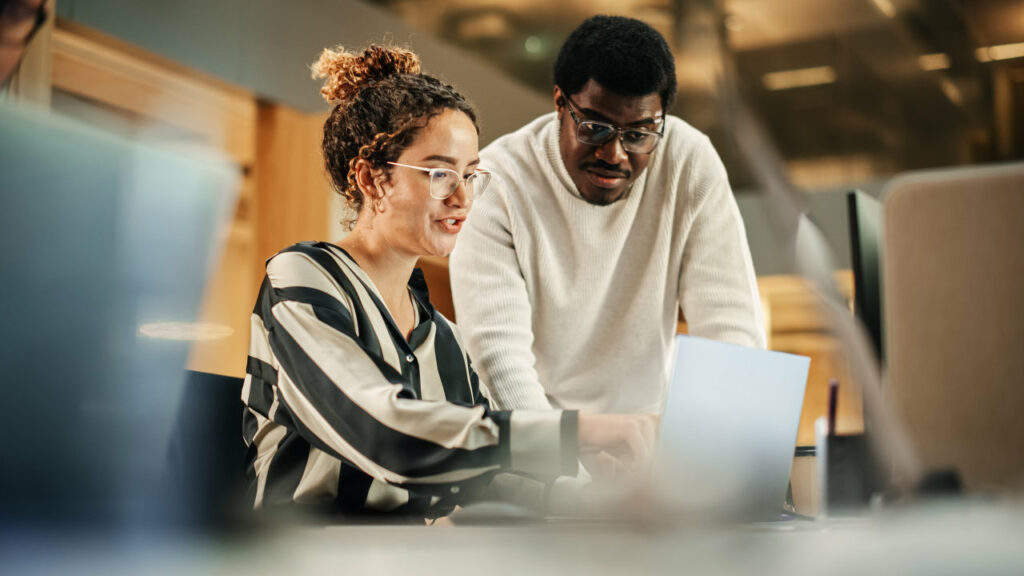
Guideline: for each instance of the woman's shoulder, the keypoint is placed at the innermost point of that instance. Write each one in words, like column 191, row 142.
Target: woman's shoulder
column 310, row 247
column 303, row 263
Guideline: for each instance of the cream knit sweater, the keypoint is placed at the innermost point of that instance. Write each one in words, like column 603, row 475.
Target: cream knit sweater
column 569, row 305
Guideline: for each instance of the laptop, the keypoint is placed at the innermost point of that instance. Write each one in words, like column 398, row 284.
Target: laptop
column 101, row 236
column 728, row 433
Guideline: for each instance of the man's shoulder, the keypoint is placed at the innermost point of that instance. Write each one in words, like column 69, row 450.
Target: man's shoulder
column 519, row 145
column 685, row 150
column 680, row 134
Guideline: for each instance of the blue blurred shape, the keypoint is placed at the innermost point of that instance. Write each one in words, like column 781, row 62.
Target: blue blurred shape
column 99, row 235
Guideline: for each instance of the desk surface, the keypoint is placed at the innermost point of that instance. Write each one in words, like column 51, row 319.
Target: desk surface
column 975, row 538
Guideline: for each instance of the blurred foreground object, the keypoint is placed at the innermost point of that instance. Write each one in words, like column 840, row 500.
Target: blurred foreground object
column 101, row 236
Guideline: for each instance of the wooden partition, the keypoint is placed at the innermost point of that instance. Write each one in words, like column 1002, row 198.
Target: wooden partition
column 293, row 193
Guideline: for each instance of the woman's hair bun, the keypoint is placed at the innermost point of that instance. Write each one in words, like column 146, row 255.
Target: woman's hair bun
column 347, row 72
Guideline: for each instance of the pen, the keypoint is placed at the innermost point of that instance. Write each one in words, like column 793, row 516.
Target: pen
column 833, row 398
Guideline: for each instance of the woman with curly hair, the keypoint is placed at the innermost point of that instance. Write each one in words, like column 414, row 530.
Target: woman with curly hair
column 360, row 399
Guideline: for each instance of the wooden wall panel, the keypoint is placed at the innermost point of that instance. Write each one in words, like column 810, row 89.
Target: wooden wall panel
column 106, row 70
column 293, row 192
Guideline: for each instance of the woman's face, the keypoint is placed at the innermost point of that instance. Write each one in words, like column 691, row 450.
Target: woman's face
column 413, row 222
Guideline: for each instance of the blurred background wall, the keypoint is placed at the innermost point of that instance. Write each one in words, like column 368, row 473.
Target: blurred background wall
column 266, row 46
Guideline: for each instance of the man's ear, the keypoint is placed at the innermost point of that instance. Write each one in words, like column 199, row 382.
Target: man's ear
column 559, row 101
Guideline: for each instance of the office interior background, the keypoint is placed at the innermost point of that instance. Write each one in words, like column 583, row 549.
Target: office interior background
column 848, row 94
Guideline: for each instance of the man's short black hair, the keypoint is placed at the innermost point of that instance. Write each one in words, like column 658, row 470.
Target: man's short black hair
column 621, row 54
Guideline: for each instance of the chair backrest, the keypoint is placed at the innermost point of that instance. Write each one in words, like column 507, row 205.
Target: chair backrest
column 206, row 459
column 954, row 319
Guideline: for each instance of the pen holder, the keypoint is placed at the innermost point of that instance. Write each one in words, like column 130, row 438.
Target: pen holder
column 847, row 474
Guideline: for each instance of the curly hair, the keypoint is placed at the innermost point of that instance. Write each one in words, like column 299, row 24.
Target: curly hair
column 381, row 101
column 621, row 54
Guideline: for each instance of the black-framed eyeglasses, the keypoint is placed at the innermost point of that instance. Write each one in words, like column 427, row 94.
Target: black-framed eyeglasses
column 444, row 181
column 594, row 133
column 20, row 21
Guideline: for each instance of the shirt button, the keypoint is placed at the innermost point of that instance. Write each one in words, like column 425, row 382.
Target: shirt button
column 455, row 489
column 410, row 358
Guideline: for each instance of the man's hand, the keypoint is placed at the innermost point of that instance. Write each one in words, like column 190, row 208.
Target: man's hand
column 623, row 443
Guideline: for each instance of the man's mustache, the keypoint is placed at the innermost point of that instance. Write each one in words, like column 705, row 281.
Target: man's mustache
column 606, row 167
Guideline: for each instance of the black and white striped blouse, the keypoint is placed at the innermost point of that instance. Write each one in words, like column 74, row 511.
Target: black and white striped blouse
column 346, row 416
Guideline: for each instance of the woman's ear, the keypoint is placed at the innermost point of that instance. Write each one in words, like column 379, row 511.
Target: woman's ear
column 368, row 179
column 371, row 180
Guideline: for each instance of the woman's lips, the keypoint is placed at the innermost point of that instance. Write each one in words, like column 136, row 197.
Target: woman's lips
column 451, row 225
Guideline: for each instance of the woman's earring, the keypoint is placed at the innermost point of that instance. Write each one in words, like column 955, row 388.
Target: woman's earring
column 378, row 203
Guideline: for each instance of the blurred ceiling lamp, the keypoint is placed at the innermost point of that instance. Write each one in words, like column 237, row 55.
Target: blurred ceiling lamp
column 799, row 78
column 931, row 62
column 484, row 25
column 951, row 91
column 536, row 48
column 1000, row 52
column 885, row 7
column 193, row 331
column 733, row 23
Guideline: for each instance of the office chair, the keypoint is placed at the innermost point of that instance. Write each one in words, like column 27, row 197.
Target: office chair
column 206, row 457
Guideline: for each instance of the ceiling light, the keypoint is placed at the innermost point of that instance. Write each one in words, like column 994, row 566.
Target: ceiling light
column 951, row 91
column 194, row 331
column 931, row 62
column 1000, row 52
column 533, row 45
column 799, row 78
column 885, row 7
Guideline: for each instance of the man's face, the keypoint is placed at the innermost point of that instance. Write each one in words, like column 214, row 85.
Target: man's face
column 603, row 173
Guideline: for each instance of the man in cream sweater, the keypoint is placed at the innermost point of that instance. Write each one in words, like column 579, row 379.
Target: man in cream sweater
column 605, row 217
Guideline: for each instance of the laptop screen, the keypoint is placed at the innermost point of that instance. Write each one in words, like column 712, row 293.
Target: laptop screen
column 729, row 428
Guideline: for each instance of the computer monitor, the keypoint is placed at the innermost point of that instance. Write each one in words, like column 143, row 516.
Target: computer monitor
column 865, row 216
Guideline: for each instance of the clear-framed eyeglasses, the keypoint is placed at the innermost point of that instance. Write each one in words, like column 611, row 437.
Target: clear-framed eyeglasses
column 594, row 133
column 444, row 181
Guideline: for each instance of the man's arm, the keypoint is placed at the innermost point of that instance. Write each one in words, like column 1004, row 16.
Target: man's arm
column 717, row 285
column 492, row 306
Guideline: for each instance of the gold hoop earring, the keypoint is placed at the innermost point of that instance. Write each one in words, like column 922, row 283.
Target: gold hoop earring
column 378, row 204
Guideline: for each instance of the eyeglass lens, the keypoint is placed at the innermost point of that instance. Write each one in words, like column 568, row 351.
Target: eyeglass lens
column 597, row 134
column 443, row 182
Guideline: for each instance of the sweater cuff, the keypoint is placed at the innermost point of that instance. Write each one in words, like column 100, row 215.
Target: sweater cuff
column 543, row 443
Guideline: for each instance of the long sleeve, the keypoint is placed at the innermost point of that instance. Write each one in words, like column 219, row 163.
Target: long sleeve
column 329, row 369
column 717, row 285
column 492, row 305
